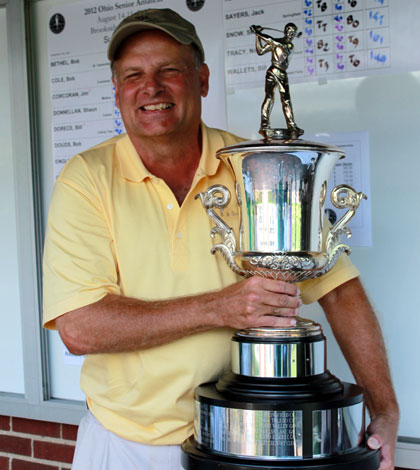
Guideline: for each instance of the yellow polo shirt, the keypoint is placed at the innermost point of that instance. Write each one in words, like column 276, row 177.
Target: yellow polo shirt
column 115, row 228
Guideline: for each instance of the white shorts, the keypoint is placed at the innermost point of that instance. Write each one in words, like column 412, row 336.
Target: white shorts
column 100, row 449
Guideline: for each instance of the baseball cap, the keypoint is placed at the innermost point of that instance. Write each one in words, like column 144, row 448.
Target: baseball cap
column 164, row 19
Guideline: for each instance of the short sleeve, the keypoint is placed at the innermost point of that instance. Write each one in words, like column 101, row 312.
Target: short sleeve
column 343, row 271
column 79, row 265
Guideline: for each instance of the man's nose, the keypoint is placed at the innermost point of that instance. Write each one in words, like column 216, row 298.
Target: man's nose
column 152, row 83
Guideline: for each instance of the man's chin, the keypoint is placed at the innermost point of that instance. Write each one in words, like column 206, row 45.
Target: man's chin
column 155, row 131
column 163, row 130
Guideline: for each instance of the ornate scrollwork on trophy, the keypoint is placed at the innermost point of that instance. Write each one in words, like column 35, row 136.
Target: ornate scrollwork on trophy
column 218, row 196
column 284, row 266
column 283, row 262
column 322, row 198
column 343, row 197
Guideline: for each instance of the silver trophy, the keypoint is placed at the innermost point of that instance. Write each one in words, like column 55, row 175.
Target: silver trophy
column 279, row 406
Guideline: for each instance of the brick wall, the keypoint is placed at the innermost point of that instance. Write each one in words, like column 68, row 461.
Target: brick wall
column 27, row 444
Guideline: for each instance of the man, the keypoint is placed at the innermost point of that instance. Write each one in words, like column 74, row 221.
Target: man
column 128, row 277
column 276, row 77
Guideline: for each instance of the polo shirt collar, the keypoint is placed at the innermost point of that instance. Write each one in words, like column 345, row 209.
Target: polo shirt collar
column 131, row 165
column 134, row 170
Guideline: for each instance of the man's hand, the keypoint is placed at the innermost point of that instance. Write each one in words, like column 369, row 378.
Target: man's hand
column 259, row 302
column 383, row 434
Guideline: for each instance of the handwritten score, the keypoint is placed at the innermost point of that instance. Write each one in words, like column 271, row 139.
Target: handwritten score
column 340, row 38
column 341, row 35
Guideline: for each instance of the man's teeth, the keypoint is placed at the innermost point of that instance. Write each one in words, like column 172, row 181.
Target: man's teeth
column 154, row 107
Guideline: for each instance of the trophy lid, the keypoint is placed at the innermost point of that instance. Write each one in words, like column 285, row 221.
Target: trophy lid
column 280, row 145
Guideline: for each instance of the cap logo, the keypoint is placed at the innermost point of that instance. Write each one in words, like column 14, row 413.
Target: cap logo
column 195, row 5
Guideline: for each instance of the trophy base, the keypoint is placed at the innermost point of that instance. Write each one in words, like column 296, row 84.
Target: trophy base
column 251, row 423
column 279, row 407
column 196, row 458
column 279, row 419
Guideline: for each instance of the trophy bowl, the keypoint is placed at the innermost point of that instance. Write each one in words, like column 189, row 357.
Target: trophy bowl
column 281, row 188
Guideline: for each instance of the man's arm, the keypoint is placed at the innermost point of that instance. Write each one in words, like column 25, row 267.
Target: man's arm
column 357, row 331
column 118, row 324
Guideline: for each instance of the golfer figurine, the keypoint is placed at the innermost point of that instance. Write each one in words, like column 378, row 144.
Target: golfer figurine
column 276, row 77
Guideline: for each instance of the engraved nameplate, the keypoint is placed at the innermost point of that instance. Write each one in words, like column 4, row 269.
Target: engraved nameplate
column 250, row 433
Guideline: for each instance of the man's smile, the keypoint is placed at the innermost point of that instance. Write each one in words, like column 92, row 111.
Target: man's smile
column 156, row 107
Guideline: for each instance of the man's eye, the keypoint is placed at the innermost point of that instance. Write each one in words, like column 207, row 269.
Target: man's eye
column 132, row 76
column 170, row 72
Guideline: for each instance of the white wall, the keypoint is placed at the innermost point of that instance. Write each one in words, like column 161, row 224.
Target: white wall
column 11, row 354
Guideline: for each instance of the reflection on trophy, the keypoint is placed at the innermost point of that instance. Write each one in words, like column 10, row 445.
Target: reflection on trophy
column 279, row 406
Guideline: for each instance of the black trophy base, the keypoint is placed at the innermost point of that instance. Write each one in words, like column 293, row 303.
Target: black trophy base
column 196, row 458
column 299, row 417
column 316, row 407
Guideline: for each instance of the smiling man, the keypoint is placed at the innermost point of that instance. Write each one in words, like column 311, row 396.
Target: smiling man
column 130, row 283
column 159, row 84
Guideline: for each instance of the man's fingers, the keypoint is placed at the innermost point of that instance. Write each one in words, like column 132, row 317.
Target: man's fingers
column 281, row 302
column 284, row 312
column 277, row 294
column 374, row 442
column 383, row 431
column 281, row 287
column 258, row 302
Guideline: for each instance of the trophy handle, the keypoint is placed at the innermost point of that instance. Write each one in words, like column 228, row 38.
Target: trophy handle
column 218, row 196
column 343, row 197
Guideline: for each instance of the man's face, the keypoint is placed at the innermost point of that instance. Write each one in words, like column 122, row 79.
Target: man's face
column 158, row 86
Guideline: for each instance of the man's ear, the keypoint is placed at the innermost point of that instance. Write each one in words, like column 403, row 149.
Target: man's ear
column 204, row 80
